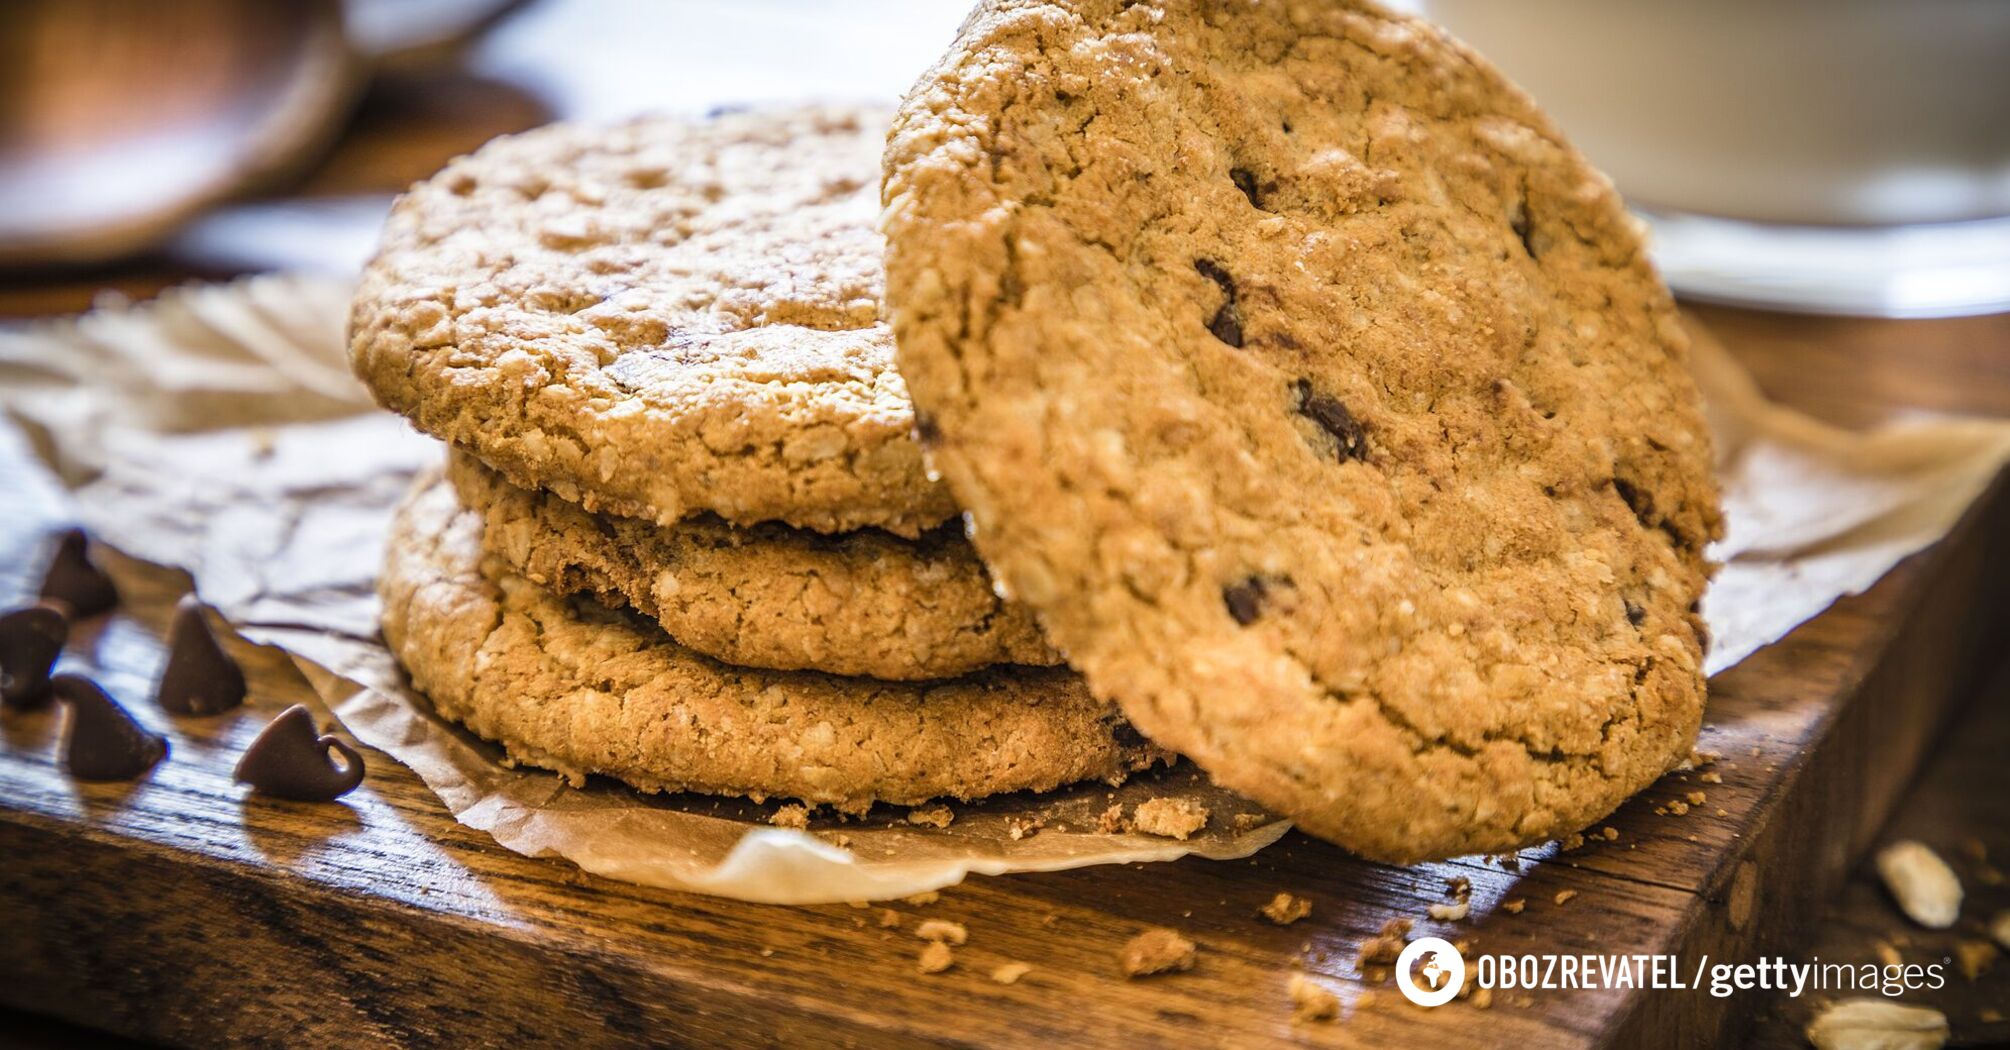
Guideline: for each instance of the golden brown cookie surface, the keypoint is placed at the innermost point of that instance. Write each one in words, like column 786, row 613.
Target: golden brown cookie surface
column 658, row 319
column 571, row 686
column 858, row 603
column 1320, row 399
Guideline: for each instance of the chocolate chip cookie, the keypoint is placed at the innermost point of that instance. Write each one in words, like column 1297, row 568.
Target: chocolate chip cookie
column 569, row 685
column 1321, row 400
column 658, row 319
column 859, row 603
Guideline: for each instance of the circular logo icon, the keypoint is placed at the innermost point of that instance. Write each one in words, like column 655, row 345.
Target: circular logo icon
column 1430, row 971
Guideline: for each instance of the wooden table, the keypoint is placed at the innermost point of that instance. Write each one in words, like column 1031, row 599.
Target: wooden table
column 176, row 909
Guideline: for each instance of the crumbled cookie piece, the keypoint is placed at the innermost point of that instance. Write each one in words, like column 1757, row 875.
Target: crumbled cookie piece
column 1242, row 822
column 1309, row 1002
column 942, row 930
column 935, row 958
column 1678, row 808
column 1482, row 998
column 1609, row 833
column 1175, row 818
column 1459, row 886
column 1383, row 948
column 1017, row 828
column 931, row 817
column 1974, row 958
column 1285, row 909
column 1563, row 896
column 1451, row 912
column 1711, row 778
column 889, row 919
column 1157, row 950
column 1926, row 889
column 1009, row 973
column 794, row 815
column 924, row 898
column 1111, row 820
column 1696, row 798
column 1514, row 907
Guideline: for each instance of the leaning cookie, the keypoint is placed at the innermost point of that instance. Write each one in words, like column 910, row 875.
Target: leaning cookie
column 1321, row 401
column 660, row 319
column 860, row 603
column 571, row 686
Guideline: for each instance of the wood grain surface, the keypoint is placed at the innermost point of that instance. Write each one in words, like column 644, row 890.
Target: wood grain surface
column 177, row 909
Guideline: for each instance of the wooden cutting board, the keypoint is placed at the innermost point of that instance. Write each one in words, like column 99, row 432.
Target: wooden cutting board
column 177, row 909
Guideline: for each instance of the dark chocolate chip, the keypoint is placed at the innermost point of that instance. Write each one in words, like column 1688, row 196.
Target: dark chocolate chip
column 290, row 760
column 1350, row 438
column 76, row 581
column 1226, row 324
column 200, row 678
column 1245, row 180
column 100, row 740
column 926, row 433
column 1635, row 615
column 1519, row 222
column 1245, row 600
column 1640, row 503
column 30, row 641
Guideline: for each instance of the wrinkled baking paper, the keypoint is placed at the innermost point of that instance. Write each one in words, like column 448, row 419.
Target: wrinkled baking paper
column 217, row 429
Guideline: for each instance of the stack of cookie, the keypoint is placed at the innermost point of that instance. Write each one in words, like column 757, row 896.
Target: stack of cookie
column 684, row 537
column 1316, row 397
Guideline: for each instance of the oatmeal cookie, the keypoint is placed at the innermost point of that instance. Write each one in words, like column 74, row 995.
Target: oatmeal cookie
column 859, row 603
column 1319, row 398
column 658, row 319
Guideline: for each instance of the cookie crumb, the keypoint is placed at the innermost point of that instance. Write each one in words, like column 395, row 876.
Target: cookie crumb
column 932, row 817
column 1712, row 777
column 1157, row 950
column 1564, row 896
column 1383, row 948
column 1173, row 818
column 1514, row 906
column 794, row 815
column 1111, row 820
column 1459, row 886
column 1678, row 808
column 1023, row 829
column 1999, row 928
column 1365, row 1000
column 935, row 958
column 859, row 905
column 1248, row 821
column 1888, row 955
column 1974, row 958
column 1285, row 909
column 1610, row 833
column 1697, row 798
column 942, row 930
column 1451, row 912
column 1009, row 973
column 924, row 898
column 1571, row 842
column 889, row 919
column 1309, row 1002
column 1483, row 998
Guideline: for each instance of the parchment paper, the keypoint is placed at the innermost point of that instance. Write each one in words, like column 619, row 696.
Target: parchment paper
column 217, row 429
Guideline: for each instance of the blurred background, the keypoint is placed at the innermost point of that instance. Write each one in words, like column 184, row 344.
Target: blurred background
column 1836, row 156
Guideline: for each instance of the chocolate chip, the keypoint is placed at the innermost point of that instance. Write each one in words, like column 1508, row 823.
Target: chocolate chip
column 77, row 582
column 1640, row 503
column 926, row 433
column 1350, row 438
column 1519, row 222
column 1226, row 324
column 1245, row 180
column 200, row 678
column 1245, row 600
column 30, row 641
column 290, row 760
column 1635, row 615
column 100, row 740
